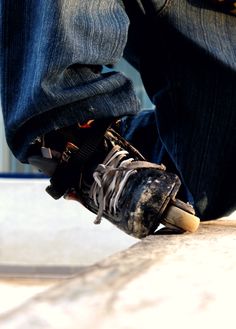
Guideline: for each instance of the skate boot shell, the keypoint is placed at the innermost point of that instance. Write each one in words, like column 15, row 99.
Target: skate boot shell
column 113, row 180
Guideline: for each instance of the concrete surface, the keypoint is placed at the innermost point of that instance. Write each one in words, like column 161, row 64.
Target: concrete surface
column 15, row 292
column 174, row 281
column 58, row 270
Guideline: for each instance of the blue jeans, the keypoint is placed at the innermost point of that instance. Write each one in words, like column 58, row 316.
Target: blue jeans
column 52, row 53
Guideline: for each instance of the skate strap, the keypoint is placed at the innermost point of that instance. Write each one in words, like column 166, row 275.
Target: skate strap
column 73, row 159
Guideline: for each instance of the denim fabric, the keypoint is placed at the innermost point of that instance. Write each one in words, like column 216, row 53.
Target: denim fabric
column 190, row 75
column 52, row 54
column 51, row 58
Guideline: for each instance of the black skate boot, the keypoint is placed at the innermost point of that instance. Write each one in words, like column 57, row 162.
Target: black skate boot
column 106, row 174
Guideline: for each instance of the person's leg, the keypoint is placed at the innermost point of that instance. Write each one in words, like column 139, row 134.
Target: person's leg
column 141, row 131
column 52, row 85
column 52, row 53
column 191, row 77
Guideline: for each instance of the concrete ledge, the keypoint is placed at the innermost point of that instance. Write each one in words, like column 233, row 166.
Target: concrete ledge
column 164, row 281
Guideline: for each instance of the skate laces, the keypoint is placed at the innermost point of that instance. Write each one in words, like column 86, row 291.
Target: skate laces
column 110, row 178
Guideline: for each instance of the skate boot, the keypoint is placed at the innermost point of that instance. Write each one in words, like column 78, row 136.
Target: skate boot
column 94, row 165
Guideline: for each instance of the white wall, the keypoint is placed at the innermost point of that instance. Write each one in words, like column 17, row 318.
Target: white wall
column 4, row 155
column 8, row 163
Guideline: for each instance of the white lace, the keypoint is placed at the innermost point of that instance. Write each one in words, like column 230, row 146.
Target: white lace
column 111, row 177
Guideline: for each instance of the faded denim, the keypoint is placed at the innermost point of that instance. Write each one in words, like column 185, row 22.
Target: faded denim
column 52, row 53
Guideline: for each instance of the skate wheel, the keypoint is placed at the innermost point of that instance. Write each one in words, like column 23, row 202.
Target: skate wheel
column 175, row 217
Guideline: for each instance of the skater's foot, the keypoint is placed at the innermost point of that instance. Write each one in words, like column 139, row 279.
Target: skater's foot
column 94, row 165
